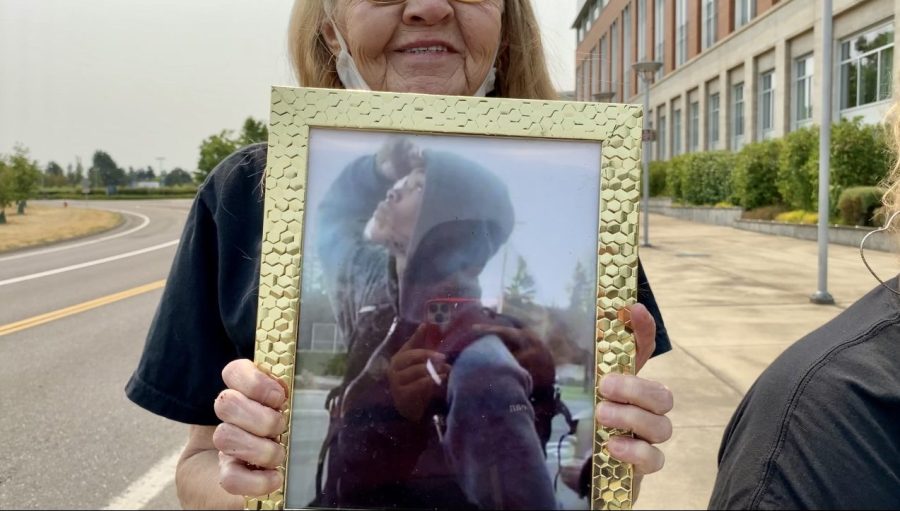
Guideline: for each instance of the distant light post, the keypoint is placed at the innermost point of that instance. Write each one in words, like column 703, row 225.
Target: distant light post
column 822, row 296
column 646, row 70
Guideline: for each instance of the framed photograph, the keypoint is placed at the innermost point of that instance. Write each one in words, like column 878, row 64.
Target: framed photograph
column 442, row 282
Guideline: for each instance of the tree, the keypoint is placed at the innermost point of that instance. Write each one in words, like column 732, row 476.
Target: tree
column 177, row 177
column 5, row 188
column 106, row 171
column 253, row 131
column 520, row 291
column 25, row 177
column 213, row 150
column 54, row 175
column 216, row 148
column 77, row 176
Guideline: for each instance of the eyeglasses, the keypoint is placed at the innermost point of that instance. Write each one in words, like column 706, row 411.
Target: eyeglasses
column 395, row 2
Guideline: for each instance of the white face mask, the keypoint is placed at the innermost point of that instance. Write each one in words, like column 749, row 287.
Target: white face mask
column 351, row 78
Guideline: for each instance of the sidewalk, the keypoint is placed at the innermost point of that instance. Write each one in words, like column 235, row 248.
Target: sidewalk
column 733, row 301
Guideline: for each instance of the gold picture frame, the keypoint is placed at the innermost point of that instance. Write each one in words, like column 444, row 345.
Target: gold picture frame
column 617, row 128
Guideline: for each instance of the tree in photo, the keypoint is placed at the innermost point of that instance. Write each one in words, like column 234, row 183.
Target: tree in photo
column 520, row 291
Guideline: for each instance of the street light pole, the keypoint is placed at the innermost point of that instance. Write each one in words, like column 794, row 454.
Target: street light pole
column 646, row 70
column 822, row 296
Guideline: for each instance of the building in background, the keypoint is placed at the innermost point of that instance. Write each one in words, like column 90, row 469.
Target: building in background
column 735, row 71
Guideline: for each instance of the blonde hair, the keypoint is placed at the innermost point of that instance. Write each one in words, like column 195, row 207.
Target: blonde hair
column 521, row 66
column 891, row 183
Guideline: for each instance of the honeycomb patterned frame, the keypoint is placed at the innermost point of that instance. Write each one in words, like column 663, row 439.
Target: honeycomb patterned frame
column 617, row 127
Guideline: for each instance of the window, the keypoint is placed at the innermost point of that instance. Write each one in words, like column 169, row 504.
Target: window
column 680, row 32
column 710, row 23
column 659, row 39
column 744, row 11
column 712, row 121
column 626, row 53
column 866, row 67
column 642, row 30
column 766, row 104
column 737, row 116
column 694, row 126
column 676, row 132
column 803, row 72
column 595, row 73
column 614, row 61
column 661, row 136
column 596, row 9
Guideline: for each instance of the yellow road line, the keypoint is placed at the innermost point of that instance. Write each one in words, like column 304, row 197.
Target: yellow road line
column 78, row 308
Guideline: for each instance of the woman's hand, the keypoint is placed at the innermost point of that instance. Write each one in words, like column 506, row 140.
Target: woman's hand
column 638, row 405
column 413, row 386
column 251, row 419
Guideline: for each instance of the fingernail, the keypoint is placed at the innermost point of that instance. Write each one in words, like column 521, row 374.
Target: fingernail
column 605, row 384
column 603, row 413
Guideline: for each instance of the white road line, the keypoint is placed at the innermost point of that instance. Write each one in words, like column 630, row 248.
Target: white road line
column 148, row 486
column 87, row 264
column 144, row 223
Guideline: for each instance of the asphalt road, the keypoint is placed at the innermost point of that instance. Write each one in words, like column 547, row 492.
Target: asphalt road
column 69, row 438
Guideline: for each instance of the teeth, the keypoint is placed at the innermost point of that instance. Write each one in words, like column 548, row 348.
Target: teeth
column 429, row 49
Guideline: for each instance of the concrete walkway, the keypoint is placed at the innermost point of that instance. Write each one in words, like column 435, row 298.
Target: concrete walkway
column 732, row 301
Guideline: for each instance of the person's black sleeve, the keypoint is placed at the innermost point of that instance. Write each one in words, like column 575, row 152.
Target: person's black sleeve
column 206, row 317
column 646, row 298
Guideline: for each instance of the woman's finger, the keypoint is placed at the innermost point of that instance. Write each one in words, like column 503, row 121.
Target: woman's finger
column 243, row 376
column 419, row 371
column 647, row 394
column 412, row 357
column 653, row 428
column 233, row 407
column 237, row 478
column 646, row 458
column 513, row 338
column 644, row 327
column 260, row 452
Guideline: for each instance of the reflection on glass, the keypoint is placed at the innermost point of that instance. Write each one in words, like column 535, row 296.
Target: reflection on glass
column 886, row 73
column 446, row 322
column 868, row 79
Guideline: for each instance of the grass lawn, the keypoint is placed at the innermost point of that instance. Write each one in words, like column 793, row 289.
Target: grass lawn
column 41, row 225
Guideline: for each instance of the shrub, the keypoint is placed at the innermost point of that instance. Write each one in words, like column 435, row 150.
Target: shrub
column 796, row 185
column 798, row 216
column 858, row 205
column 755, row 173
column 859, row 155
column 706, row 177
column 764, row 213
column 658, row 171
column 675, row 171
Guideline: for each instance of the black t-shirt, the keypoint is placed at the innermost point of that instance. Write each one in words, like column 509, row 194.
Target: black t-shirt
column 207, row 315
column 820, row 428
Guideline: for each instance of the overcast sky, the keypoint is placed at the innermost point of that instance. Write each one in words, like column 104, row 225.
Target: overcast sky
column 143, row 79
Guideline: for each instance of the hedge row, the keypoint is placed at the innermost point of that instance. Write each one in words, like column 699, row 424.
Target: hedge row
column 783, row 172
column 72, row 192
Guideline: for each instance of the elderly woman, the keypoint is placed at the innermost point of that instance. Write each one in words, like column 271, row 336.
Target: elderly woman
column 203, row 334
